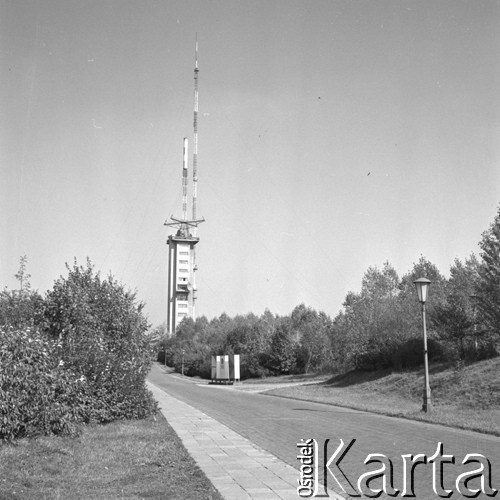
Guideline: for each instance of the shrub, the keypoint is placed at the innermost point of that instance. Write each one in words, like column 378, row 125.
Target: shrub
column 102, row 333
column 21, row 308
column 79, row 355
column 38, row 394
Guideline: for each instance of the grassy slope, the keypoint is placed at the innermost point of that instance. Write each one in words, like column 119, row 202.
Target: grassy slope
column 133, row 459
column 467, row 398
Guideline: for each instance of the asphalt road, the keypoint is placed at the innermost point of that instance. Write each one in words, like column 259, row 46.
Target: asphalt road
column 278, row 424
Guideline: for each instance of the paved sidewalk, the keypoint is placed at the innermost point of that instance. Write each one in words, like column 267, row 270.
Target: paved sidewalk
column 235, row 466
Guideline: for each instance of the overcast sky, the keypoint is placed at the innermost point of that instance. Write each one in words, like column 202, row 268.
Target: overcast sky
column 333, row 136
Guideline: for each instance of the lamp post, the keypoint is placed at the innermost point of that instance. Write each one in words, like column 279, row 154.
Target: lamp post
column 182, row 366
column 422, row 285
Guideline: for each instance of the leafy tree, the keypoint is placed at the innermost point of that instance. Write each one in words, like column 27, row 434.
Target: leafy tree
column 454, row 317
column 186, row 330
column 342, row 345
column 379, row 285
column 349, row 336
column 22, row 275
column 21, row 308
column 488, row 285
column 184, row 349
column 370, row 323
column 463, row 278
column 157, row 339
column 247, row 338
column 426, row 269
column 410, row 309
column 283, row 347
column 311, row 333
column 201, row 325
column 377, row 327
column 268, row 322
column 217, row 332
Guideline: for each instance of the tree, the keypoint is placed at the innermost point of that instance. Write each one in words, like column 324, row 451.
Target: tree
column 283, row 347
column 378, row 285
column 371, row 320
column 410, row 309
column 248, row 338
column 22, row 276
column 454, row 317
column 311, row 333
column 379, row 325
column 157, row 339
column 24, row 307
column 217, row 331
column 426, row 269
column 488, row 285
column 201, row 325
column 463, row 278
column 454, row 323
column 185, row 330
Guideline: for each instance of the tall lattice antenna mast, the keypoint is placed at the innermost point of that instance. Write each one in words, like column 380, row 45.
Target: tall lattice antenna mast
column 195, row 169
column 184, row 179
column 195, row 135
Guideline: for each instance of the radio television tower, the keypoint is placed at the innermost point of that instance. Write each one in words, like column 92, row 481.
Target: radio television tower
column 181, row 290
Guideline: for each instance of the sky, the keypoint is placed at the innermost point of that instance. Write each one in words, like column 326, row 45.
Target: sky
column 333, row 136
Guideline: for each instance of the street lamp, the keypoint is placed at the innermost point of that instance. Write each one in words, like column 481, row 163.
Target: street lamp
column 182, row 366
column 422, row 285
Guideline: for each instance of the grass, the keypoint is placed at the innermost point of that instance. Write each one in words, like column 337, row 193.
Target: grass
column 467, row 398
column 127, row 459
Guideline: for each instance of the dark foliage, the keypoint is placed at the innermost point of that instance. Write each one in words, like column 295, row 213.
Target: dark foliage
column 102, row 331
column 488, row 283
column 81, row 354
column 38, row 394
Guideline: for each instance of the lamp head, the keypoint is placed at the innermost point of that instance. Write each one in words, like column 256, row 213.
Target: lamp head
column 422, row 286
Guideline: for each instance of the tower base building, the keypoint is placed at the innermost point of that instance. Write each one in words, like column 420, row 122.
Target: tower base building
column 181, row 281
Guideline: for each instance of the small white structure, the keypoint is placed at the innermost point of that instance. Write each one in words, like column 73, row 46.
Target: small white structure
column 234, row 367
column 225, row 369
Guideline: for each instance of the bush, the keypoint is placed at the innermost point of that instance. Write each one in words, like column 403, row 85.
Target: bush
column 410, row 354
column 404, row 355
column 102, row 333
column 38, row 394
column 79, row 355
column 21, row 309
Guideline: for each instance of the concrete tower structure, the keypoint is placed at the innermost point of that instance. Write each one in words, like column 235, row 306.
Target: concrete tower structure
column 181, row 291
column 181, row 286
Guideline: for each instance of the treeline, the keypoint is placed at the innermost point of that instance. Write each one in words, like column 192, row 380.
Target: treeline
column 79, row 354
column 379, row 327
